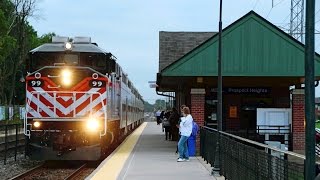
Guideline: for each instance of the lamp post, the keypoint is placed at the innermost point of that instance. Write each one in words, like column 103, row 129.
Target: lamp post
column 216, row 166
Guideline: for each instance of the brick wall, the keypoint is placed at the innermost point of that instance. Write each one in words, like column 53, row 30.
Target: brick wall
column 298, row 131
column 197, row 110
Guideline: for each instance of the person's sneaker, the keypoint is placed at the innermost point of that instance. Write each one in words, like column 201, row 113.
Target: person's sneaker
column 187, row 160
column 180, row 160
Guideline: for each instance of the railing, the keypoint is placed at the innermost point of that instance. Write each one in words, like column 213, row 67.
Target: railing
column 243, row 159
column 11, row 138
column 267, row 133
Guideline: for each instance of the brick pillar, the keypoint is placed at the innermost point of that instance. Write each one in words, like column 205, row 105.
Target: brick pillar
column 298, row 130
column 197, row 110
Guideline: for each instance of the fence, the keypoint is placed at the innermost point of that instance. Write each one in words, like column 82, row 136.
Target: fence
column 13, row 112
column 11, row 138
column 264, row 133
column 243, row 159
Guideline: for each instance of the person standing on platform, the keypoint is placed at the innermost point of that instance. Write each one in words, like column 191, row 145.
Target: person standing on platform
column 174, row 119
column 158, row 113
column 185, row 132
column 179, row 120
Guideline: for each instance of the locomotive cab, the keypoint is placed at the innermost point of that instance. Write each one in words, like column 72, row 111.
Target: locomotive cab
column 67, row 91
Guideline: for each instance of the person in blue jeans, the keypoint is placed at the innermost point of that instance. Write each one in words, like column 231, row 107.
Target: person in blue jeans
column 185, row 128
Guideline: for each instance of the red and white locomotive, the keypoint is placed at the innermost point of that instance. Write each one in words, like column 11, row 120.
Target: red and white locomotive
column 78, row 101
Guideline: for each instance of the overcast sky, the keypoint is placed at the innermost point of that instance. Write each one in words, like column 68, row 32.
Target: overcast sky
column 129, row 29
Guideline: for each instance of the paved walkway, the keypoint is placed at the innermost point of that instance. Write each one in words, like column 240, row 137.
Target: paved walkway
column 151, row 157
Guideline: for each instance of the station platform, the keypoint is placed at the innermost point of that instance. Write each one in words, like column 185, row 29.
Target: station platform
column 145, row 155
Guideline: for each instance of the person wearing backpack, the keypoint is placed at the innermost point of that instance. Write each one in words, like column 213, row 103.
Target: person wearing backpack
column 192, row 139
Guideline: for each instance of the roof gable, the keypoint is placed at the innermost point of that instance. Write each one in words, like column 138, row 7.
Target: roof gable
column 174, row 45
column 251, row 46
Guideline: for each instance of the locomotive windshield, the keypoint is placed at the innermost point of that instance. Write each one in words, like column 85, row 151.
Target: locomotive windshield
column 93, row 60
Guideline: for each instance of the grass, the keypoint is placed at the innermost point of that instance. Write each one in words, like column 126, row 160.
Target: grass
column 318, row 125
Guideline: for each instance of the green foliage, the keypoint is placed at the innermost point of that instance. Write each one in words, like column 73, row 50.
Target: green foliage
column 148, row 107
column 318, row 125
column 46, row 38
column 15, row 121
column 17, row 38
column 160, row 104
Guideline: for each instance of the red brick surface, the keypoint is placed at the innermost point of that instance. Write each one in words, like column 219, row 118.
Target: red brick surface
column 197, row 112
column 298, row 130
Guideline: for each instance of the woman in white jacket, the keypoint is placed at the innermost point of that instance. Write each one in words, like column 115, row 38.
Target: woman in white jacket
column 185, row 129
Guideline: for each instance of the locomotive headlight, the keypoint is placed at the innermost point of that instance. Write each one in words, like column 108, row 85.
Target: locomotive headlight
column 36, row 124
column 92, row 124
column 68, row 46
column 66, row 77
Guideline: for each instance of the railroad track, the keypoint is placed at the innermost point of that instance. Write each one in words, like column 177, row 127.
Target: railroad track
column 57, row 170
column 81, row 172
column 29, row 172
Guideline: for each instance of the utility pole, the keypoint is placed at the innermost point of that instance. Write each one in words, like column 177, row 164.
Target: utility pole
column 309, row 92
column 216, row 168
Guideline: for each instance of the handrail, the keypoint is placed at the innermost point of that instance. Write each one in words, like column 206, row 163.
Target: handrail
column 72, row 67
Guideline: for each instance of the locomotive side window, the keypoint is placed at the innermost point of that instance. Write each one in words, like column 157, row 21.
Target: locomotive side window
column 42, row 59
column 93, row 60
column 49, row 59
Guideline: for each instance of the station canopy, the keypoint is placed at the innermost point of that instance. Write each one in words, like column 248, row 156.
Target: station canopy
column 251, row 47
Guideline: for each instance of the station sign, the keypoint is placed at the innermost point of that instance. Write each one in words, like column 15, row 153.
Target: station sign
column 244, row 90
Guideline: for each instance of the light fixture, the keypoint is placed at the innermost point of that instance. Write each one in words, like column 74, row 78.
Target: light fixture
column 68, row 46
column 36, row 124
column 66, row 77
column 92, row 124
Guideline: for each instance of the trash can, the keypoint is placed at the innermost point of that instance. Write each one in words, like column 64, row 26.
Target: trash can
column 192, row 145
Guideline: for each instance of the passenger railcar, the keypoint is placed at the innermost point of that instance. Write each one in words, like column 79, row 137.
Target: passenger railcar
column 79, row 101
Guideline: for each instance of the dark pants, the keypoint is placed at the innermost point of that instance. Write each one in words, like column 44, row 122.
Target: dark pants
column 175, row 133
column 158, row 120
column 167, row 130
column 177, row 144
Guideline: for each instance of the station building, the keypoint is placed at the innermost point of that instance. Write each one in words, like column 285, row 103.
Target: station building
column 262, row 68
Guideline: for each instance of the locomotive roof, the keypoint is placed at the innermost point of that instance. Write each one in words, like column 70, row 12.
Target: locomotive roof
column 59, row 47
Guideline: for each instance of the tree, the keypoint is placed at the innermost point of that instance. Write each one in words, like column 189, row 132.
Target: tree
column 7, row 46
column 20, row 29
column 160, row 104
column 16, row 37
column 148, row 107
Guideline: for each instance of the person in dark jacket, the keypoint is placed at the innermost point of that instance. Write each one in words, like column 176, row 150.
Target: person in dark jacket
column 174, row 120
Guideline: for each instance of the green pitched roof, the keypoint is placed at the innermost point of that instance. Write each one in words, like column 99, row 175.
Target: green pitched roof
column 251, row 46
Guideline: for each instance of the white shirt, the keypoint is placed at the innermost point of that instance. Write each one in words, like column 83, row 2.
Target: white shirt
column 186, row 125
column 158, row 113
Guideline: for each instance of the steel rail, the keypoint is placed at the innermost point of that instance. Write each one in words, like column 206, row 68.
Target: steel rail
column 28, row 173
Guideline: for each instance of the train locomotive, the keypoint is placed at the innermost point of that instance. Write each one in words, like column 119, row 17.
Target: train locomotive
column 79, row 101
